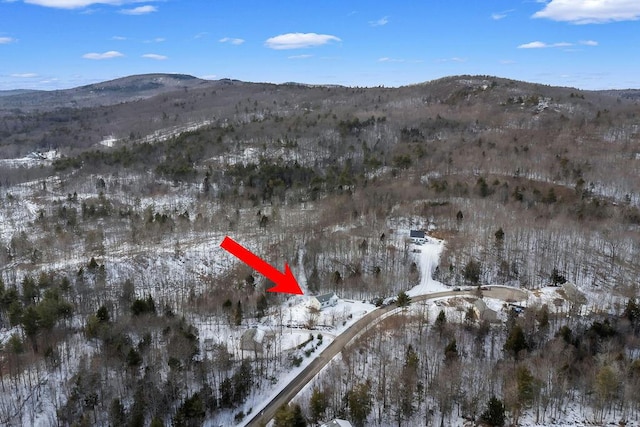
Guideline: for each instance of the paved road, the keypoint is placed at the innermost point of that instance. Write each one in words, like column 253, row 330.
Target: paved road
column 293, row 388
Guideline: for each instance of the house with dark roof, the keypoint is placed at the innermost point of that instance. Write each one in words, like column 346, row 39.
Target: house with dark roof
column 417, row 236
column 319, row 302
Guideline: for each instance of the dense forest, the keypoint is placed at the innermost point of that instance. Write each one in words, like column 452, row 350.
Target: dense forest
column 117, row 306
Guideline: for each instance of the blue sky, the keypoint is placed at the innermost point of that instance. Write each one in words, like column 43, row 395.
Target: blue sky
column 53, row 44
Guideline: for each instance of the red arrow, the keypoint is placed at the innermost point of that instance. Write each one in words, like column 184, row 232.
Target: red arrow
column 285, row 283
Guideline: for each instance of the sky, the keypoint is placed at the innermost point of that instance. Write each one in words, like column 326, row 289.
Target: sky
column 56, row 44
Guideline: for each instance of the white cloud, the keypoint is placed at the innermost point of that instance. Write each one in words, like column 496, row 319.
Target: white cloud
column 590, row 11
column 140, row 10
column 24, row 75
column 501, row 15
column 507, row 61
column 299, row 56
column 387, row 59
column 542, row 45
column 299, row 40
column 7, row 40
column 231, row 40
column 155, row 56
column 380, row 22
column 47, row 81
column 119, row 38
column 77, row 4
column 533, row 45
column 106, row 55
column 589, row 42
column 452, row 59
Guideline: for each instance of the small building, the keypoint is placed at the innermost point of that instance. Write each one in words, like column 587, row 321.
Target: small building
column 417, row 236
column 319, row 302
column 253, row 340
column 337, row 423
column 483, row 312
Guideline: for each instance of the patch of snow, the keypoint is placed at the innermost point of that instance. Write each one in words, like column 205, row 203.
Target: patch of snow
column 34, row 159
column 427, row 260
column 109, row 141
column 168, row 133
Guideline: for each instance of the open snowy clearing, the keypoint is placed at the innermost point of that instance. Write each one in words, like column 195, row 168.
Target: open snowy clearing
column 34, row 159
column 427, row 258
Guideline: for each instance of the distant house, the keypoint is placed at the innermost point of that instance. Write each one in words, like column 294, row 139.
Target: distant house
column 319, row 302
column 417, row 236
column 483, row 312
column 337, row 423
column 253, row 340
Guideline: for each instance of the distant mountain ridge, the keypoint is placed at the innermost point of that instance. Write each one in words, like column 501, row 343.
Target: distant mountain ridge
column 150, row 107
column 144, row 86
column 14, row 92
column 125, row 89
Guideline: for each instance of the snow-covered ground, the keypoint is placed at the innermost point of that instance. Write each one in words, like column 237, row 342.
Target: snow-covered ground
column 37, row 158
column 427, row 258
column 588, row 300
column 36, row 395
column 167, row 133
column 294, row 313
column 17, row 217
column 109, row 141
column 196, row 255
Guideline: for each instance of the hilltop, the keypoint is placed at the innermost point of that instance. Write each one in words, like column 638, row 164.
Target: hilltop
column 111, row 92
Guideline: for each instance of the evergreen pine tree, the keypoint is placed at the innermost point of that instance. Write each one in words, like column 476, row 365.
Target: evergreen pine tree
column 451, row 351
column 191, row 413
column 403, row 300
column 494, row 415
column 516, row 342
column 318, row 405
column 297, row 417
column 440, row 322
column 360, row 403
column 31, row 325
column 283, row 417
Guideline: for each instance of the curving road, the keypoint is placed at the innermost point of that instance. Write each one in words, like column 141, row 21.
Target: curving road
column 306, row 375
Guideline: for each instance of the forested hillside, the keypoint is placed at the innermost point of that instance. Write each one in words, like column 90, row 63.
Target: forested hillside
column 117, row 306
